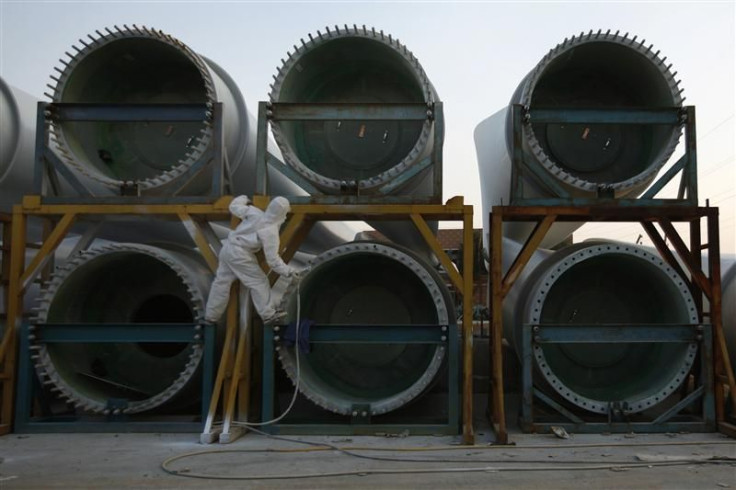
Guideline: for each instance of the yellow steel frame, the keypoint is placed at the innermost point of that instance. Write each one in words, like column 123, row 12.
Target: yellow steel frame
column 65, row 215
column 233, row 377
column 235, row 366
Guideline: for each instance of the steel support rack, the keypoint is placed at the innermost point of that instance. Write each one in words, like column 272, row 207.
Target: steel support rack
column 194, row 217
column 234, row 365
column 116, row 420
column 658, row 223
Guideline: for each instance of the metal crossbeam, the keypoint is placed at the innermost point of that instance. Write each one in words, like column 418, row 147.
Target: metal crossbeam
column 662, row 115
column 129, row 112
column 283, row 111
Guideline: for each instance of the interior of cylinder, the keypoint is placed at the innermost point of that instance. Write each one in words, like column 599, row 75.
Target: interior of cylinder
column 133, row 71
column 351, row 70
column 364, row 289
column 610, row 289
column 122, row 287
column 600, row 75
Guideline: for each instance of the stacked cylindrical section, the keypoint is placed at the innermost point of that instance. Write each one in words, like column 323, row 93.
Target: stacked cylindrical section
column 353, row 66
column 366, row 283
column 604, row 283
column 144, row 66
column 599, row 71
column 589, row 71
column 358, row 157
column 17, row 137
column 124, row 283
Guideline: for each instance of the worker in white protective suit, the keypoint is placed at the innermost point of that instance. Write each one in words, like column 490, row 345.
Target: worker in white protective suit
column 257, row 230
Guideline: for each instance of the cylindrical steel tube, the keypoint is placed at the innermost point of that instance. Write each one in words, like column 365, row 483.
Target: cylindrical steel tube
column 591, row 71
column 124, row 283
column 354, row 65
column 146, row 66
column 365, row 283
column 605, row 283
column 728, row 306
column 17, row 140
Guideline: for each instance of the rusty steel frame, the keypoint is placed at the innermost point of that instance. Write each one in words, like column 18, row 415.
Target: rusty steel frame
column 702, row 285
column 296, row 228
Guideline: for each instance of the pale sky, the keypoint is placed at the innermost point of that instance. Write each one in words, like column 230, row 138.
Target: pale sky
column 475, row 54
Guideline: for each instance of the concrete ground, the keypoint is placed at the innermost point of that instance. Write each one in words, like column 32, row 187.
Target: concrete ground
column 112, row 461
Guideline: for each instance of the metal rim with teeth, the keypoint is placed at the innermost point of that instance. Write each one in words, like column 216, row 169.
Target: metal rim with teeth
column 287, row 356
column 564, row 47
column 545, row 284
column 49, row 375
column 319, row 39
column 60, row 79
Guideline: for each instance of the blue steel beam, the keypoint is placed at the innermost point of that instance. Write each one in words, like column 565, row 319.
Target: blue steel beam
column 666, row 115
column 132, row 332
column 129, row 112
column 410, row 334
column 659, row 333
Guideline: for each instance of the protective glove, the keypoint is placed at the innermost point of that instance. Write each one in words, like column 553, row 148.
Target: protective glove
column 238, row 206
column 300, row 274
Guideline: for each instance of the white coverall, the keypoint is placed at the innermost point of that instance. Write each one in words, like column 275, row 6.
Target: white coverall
column 257, row 230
